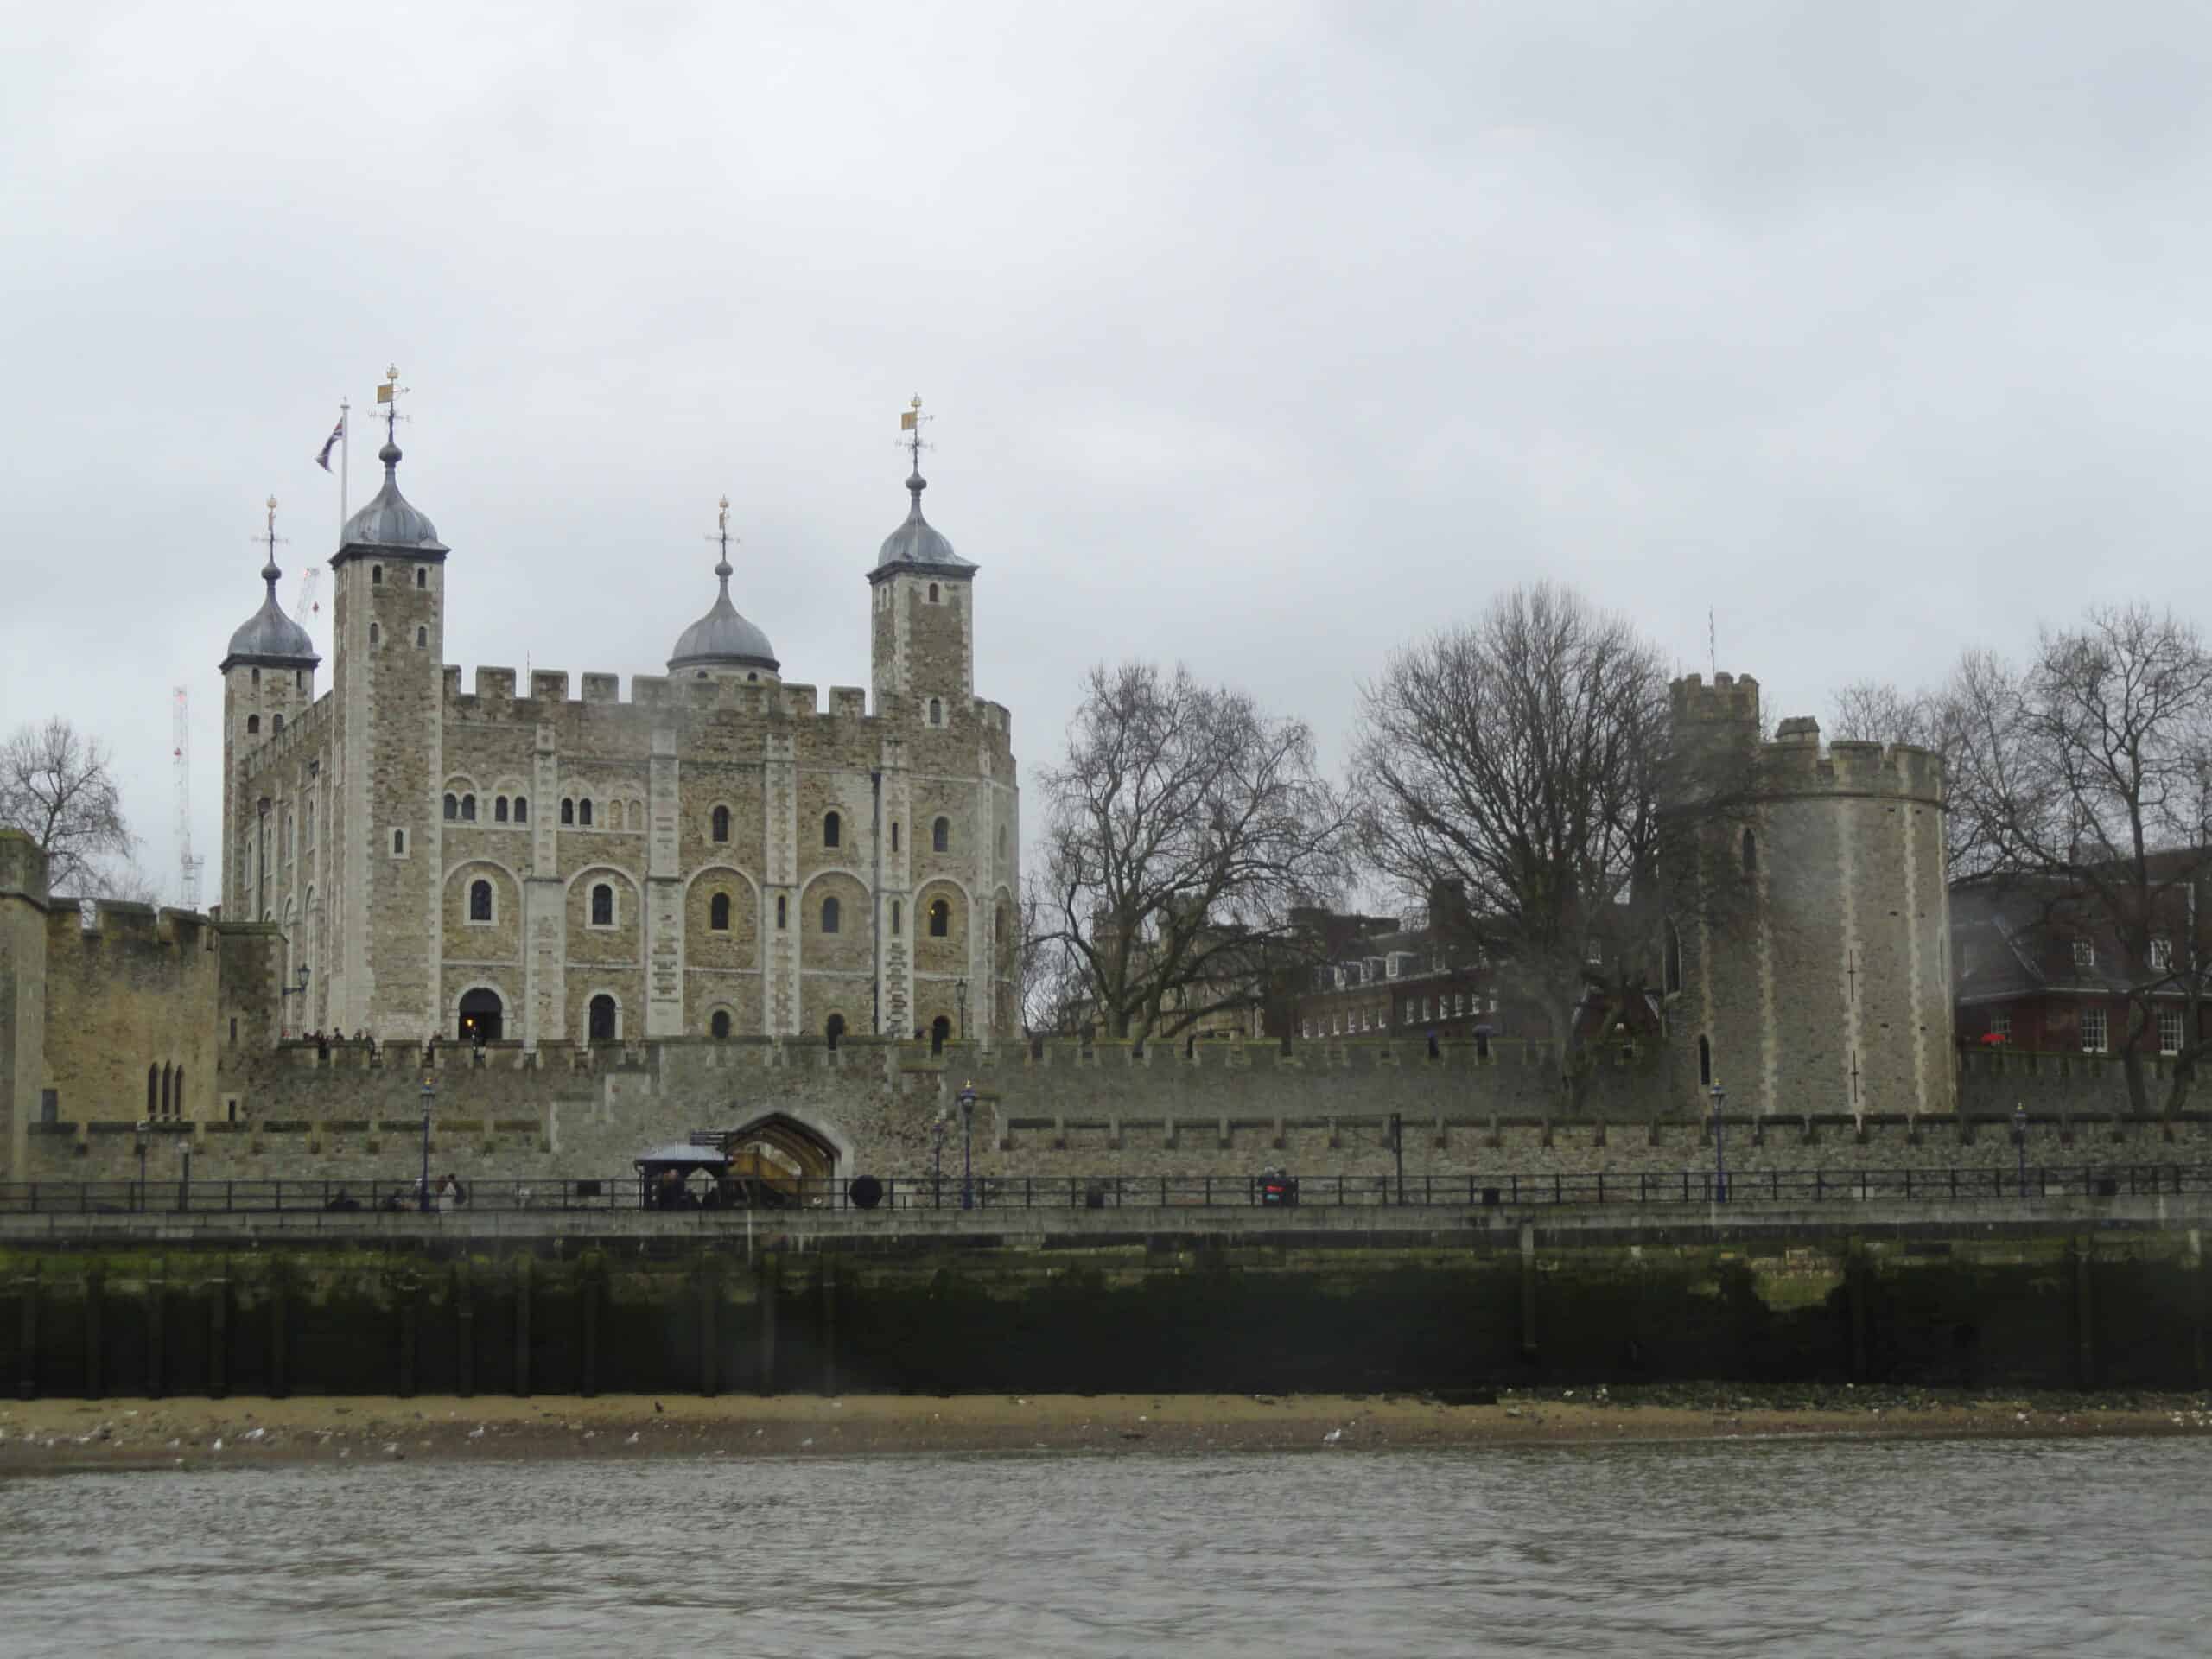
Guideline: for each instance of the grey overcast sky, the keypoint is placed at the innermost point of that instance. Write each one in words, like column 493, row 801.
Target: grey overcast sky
column 1264, row 336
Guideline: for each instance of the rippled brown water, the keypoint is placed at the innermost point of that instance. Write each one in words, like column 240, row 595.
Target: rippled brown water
column 1951, row 1548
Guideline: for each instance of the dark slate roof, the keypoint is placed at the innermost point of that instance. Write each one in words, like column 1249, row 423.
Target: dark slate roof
column 271, row 637
column 721, row 637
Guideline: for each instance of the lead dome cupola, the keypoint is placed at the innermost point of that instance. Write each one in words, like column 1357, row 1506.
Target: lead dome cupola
column 391, row 520
column 269, row 637
column 918, row 545
column 722, row 639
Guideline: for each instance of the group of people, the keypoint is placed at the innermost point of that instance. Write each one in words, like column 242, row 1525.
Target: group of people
column 672, row 1191
column 447, row 1194
column 322, row 1040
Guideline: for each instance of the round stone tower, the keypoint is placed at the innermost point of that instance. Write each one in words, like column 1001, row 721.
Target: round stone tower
column 1807, row 918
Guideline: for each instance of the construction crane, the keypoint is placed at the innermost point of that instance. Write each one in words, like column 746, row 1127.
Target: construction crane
column 188, row 867
column 305, row 607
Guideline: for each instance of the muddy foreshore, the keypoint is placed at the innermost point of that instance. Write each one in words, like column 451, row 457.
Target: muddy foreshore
column 50, row 1435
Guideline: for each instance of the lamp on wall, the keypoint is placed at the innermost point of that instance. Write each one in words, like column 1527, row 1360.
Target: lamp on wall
column 1720, row 1151
column 968, row 1145
column 299, row 988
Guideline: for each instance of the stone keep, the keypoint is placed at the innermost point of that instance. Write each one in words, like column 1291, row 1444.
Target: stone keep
column 713, row 856
column 1807, row 915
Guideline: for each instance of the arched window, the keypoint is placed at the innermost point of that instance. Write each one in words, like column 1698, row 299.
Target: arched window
column 999, row 842
column 602, row 905
column 932, row 593
column 479, row 901
column 422, row 576
column 167, row 1073
column 1705, row 1062
column 941, row 836
column 831, row 915
column 940, row 1033
column 567, row 811
column 176, row 1095
column 834, row 1028
column 833, row 829
column 275, row 723
column 718, row 912
column 253, row 725
column 299, row 679
column 399, row 843
column 894, row 918
column 468, row 809
column 1674, row 958
column 601, row 1018
column 719, row 1025
column 422, row 636
column 375, row 633
column 583, row 814
column 940, row 918
column 522, row 809
column 1750, row 852
column 257, row 677
column 720, row 830
column 452, row 808
column 375, row 576
column 783, row 916
column 498, row 809
column 153, row 1088
column 894, row 835
column 937, row 712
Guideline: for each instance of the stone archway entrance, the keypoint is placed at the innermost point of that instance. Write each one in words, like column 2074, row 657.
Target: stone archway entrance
column 482, row 1017
column 778, row 1148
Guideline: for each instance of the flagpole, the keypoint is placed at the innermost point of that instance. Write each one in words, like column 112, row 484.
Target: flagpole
column 345, row 461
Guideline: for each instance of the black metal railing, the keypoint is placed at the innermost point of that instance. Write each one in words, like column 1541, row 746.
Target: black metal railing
column 1507, row 1189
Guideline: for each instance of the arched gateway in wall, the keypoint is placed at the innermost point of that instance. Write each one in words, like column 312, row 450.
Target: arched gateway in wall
column 786, row 1145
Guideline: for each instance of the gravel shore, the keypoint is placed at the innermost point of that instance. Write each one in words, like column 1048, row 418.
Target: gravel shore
column 74, row 1434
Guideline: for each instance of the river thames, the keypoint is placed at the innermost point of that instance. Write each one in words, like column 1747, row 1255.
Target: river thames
column 1956, row 1548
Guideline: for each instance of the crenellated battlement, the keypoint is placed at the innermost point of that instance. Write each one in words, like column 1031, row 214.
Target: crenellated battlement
column 122, row 925
column 494, row 693
column 1730, row 698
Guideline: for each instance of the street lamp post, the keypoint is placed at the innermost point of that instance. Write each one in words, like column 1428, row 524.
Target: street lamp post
column 936, row 1164
column 285, row 993
column 968, row 1145
column 1398, row 1147
column 145, row 1129
column 960, row 997
column 1720, row 1149
column 2020, row 1141
column 430, row 1095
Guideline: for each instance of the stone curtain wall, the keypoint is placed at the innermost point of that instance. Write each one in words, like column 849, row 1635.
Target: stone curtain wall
column 1227, row 1113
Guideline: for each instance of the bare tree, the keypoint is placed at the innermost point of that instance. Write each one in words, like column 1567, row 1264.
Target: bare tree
column 2085, row 779
column 1050, row 980
column 56, row 787
column 1874, row 711
column 1521, row 762
column 1180, row 830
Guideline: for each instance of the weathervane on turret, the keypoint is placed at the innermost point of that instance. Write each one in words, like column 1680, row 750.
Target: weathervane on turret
column 722, row 539
column 911, row 420
column 270, row 539
column 389, row 394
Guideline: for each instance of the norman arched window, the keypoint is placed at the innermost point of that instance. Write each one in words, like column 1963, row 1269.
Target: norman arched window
column 1674, row 958
column 834, row 1028
column 452, row 808
column 422, row 636
column 718, row 912
column 783, row 915
column 833, row 829
column 567, row 811
column 479, row 901
column 937, row 712
column 602, row 1019
column 253, row 725
column 940, row 918
column 894, row 835
column 932, row 593
column 720, row 828
column 257, row 677
column 422, row 576
column 399, row 843
column 498, row 809
column 375, row 633
column 894, row 918
column 468, row 809
column 602, row 905
column 176, row 1095
column 1705, row 1062
column 583, row 814
column 522, row 809
column 831, row 915
column 275, row 723
column 375, row 576
column 153, row 1089
column 941, row 836
column 1750, row 852
column 719, row 1025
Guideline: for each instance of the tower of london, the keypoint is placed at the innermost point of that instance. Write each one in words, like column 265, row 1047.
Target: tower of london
column 714, row 856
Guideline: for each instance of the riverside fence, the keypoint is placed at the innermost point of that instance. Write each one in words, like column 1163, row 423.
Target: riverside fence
column 1267, row 1189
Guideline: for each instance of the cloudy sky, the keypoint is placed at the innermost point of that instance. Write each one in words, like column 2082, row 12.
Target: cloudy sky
column 1264, row 336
